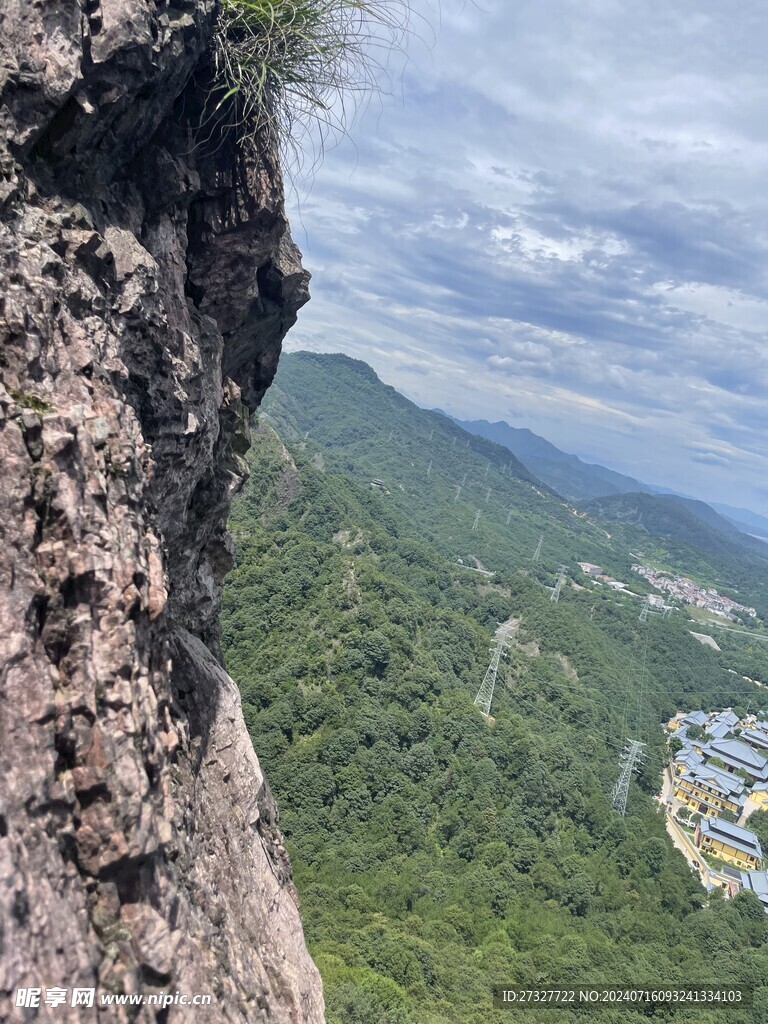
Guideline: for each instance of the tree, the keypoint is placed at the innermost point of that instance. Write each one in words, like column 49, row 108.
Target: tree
column 758, row 823
column 419, row 762
column 654, row 852
column 749, row 906
column 377, row 649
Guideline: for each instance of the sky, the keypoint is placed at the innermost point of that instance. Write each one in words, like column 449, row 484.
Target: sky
column 557, row 215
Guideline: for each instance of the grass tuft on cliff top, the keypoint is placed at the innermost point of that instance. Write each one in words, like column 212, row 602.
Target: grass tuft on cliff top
column 282, row 65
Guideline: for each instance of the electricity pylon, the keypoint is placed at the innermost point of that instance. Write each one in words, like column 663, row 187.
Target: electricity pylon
column 631, row 760
column 558, row 585
column 644, row 610
column 429, row 469
column 487, row 495
column 485, row 693
column 509, row 516
column 458, row 492
column 477, row 520
column 537, row 552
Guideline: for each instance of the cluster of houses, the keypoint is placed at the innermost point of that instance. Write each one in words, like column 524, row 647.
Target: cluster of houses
column 720, row 775
column 691, row 593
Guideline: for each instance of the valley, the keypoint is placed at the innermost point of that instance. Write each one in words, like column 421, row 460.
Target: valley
column 438, row 852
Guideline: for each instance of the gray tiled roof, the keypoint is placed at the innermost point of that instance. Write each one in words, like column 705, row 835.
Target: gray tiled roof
column 695, row 718
column 736, row 836
column 755, row 737
column 739, row 751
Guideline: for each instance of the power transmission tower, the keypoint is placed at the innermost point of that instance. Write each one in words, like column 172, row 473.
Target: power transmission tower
column 458, row 492
column 487, row 495
column 509, row 516
column 477, row 520
column 487, row 469
column 644, row 610
column 463, row 479
column 485, row 693
column 631, row 760
column 429, row 469
column 558, row 585
column 390, row 435
column 537, row 552
column 431, row 433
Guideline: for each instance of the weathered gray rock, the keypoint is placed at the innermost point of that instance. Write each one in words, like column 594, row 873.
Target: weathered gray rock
column 147, row 281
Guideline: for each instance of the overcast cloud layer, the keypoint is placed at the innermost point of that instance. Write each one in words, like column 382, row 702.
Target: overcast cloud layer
column 560, row 220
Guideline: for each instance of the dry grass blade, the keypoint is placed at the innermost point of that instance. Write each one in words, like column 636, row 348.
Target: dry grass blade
column 283, row 65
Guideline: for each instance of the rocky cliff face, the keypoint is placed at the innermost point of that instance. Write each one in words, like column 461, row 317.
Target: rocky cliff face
column 148, row 278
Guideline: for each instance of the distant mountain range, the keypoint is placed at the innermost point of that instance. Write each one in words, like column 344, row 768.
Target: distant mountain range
column 567, row 474
column 578, row 480
column 748, row 522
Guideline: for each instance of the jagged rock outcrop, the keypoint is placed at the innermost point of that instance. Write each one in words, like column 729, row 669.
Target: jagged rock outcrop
column 147, row 278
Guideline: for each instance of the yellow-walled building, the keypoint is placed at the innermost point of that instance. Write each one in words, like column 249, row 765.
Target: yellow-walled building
column 710, row 791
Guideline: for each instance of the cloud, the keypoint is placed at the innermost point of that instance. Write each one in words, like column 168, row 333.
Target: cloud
column 564, row 205
column 710, row 459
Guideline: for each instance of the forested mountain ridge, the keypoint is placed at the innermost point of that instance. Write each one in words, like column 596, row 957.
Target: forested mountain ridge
column 438, row 853
column 440, row 477
column 685, row 519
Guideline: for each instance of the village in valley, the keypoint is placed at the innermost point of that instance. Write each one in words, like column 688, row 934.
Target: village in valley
column 678, row 588
column 716, row 778
column 694, row 595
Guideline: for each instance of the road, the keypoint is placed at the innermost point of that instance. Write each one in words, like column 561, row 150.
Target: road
column 730, row 629
column 708, row 876
column 749, row 807
column 688, row 850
